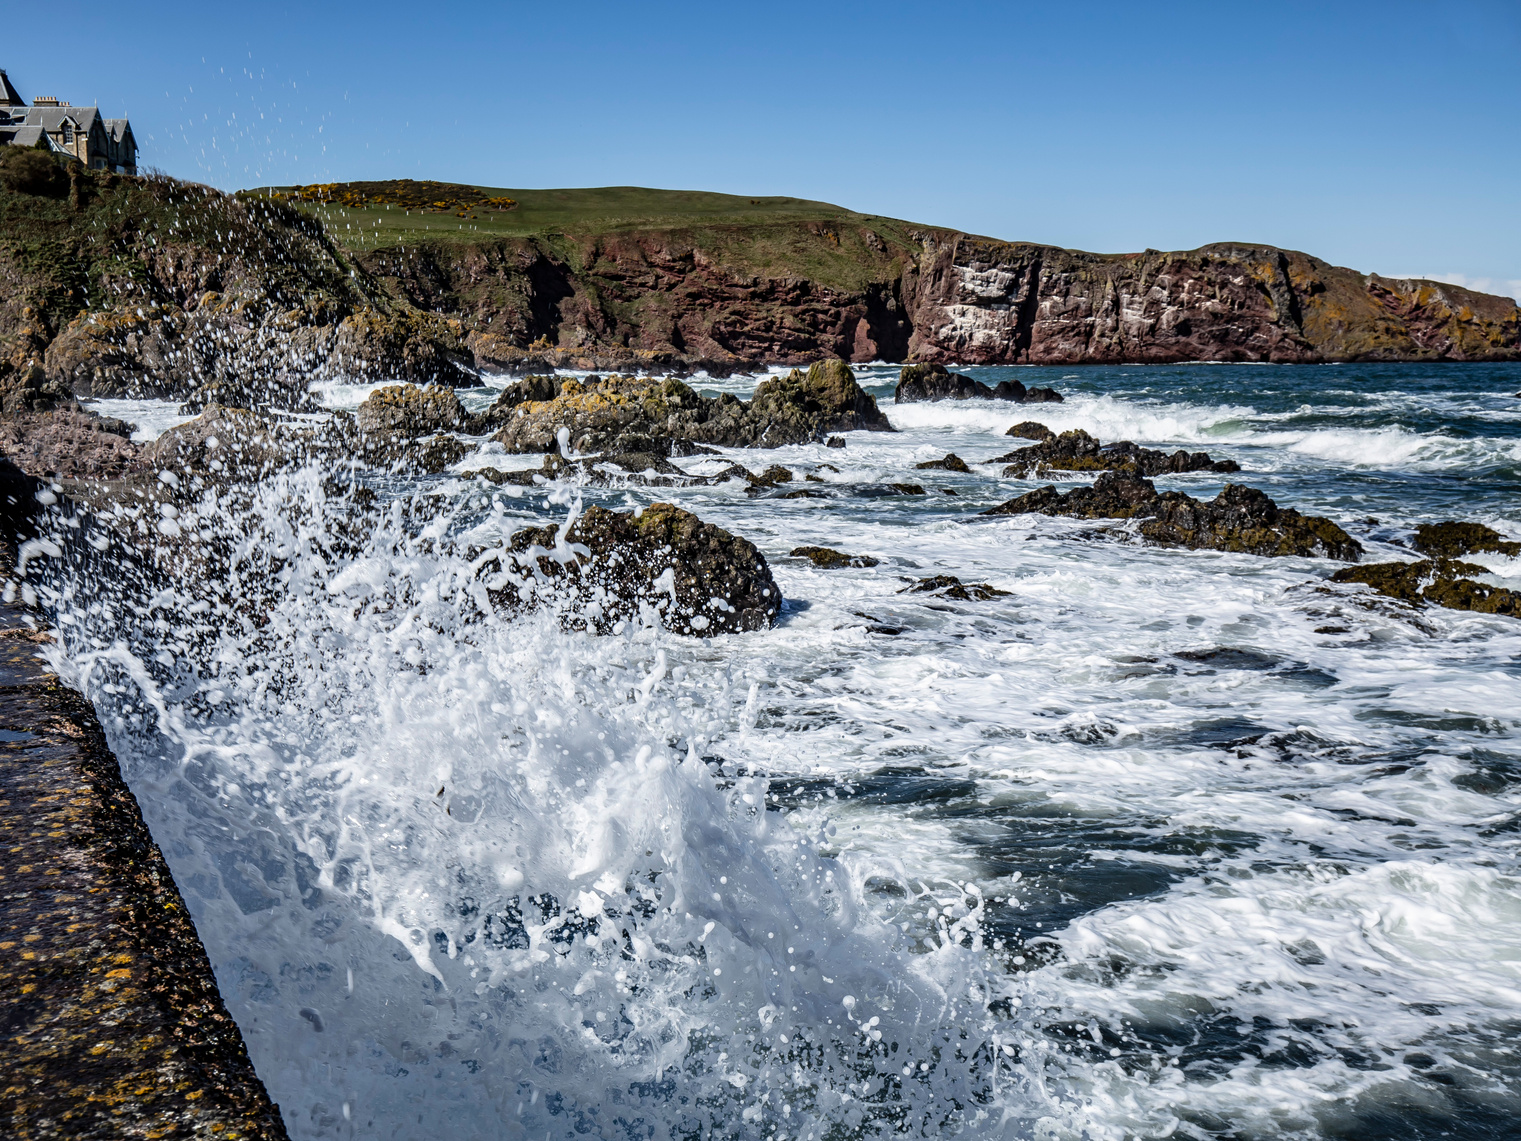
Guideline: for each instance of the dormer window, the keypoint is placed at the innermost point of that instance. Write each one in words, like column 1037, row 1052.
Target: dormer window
column 68, row 133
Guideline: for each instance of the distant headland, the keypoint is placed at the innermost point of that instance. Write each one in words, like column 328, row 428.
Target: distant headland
column 151, row 286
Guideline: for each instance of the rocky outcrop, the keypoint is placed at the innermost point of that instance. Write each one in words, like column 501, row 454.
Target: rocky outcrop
column 152, row 287
column 1239, row 519
column 1030, row 430
column 1451, row 539
column 827, row 558
column 411, row 411
column 1439, row 582
column 952, row 462
column 667, row 417
column 1078, row 451
column 928, row 382
column 662, row 565
column 68, row 443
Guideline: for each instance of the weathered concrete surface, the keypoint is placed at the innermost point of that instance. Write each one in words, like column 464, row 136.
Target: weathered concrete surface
column 111, row 1025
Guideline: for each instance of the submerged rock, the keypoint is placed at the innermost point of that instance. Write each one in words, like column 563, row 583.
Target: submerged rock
column 952, row 462
column 1450, row 539
column 949, row 586
column 928, row 382
column 1078, row 451
column 830, row 559
column 1439, row 582
column 640, row 414
column 611, row 567
column 1238, row 519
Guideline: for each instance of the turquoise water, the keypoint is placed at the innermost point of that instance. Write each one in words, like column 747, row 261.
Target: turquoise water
column 1158, row 843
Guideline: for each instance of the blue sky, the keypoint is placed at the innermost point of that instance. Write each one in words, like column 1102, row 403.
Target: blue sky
column 1384, row 136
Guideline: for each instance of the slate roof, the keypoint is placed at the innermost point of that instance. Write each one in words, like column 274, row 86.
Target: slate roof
column 22, row 136
column 8, row 93
column 52, row 117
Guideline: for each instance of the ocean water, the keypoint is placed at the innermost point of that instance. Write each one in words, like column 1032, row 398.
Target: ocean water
column 1156, row 844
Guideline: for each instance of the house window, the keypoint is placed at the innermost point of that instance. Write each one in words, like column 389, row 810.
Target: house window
column 68, row 135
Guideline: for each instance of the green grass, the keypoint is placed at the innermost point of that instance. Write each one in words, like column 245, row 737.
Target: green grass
column 591, row 210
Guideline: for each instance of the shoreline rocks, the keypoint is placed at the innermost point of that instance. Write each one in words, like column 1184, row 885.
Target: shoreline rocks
column 1240, row 519
column 1076, row 450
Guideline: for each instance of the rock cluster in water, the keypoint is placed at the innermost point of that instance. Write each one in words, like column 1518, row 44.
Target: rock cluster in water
column 929, row 382
column 1078, row 451
column 1239, row 519
column 1442, row 579
column 639, row 414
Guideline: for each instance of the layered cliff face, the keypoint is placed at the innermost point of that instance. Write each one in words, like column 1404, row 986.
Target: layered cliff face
column 127, row 286
column 930, row 296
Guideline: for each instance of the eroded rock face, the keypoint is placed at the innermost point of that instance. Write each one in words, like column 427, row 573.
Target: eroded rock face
column 612, row 567
column 1078, row 451
column 639, row 414
column 68, row 443
column 1439, row 582
column 1239, row 519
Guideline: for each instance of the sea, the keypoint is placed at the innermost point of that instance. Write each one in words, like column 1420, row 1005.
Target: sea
column 1153, row 843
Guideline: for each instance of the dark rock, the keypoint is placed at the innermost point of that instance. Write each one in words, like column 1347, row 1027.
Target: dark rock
column 835, row 442
column 830, row 559
column 1078, row 451
column 1043, row 396
column 952, row 462
column 1030, row 430
column 927, row 382
column 1238, row 519
column 907, row 488
column 1449, row 540
column 1440, row 582
column 611, row 567
column 949, row 586
column 411, row 411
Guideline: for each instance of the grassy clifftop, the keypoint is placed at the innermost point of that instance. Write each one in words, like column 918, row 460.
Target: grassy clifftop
column 590, row 210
